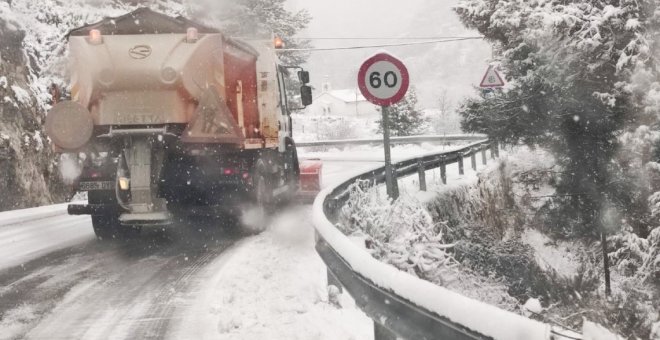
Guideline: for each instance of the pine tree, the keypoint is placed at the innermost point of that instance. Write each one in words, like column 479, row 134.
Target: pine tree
column 575, row 71
column 405, row 118
column 570, row 68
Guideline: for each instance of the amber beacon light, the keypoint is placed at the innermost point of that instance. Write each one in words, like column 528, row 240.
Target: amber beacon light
column 279, row 43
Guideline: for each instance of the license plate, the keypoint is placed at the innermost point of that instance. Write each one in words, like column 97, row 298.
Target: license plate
column 101, row 185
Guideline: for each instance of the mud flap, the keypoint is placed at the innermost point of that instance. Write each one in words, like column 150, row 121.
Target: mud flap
column 310, row 180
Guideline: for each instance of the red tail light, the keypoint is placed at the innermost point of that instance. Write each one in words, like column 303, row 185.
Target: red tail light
column 192, row 35
column 95, row 37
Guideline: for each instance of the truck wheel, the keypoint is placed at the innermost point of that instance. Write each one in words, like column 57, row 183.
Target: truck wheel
column 263, row 201
column 255, row 216
column 106, row 228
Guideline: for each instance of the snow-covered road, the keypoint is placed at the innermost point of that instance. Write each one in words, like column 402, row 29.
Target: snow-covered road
column 93, row 291
column 189, row 282
column 195, row 281
column 29, row 233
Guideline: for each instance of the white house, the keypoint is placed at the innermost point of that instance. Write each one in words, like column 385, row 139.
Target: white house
column 347, row 102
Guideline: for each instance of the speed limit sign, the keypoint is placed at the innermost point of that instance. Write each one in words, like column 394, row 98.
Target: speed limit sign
column 383, row 79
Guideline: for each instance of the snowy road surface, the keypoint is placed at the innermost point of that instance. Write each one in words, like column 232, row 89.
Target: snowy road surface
column 196, row 281
column 191, row 282
column 93, row 291
column 29, row 233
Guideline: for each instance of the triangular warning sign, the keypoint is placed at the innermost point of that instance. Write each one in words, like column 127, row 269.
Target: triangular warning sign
column 492, row 78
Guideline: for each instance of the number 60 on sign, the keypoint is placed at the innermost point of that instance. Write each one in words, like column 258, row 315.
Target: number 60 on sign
column 383, row 79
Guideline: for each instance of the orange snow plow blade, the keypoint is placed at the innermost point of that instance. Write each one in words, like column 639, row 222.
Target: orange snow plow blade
column 310, row 179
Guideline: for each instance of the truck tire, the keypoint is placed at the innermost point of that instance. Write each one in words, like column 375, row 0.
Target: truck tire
column 107, row 226
column 255, row 217
column 262, row 201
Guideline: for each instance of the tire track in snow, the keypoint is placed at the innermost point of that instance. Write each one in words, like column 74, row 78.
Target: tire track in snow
column 98, row 291
column 160, row 314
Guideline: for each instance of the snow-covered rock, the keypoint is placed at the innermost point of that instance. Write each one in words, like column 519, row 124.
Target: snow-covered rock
column 21, row 95
column 532, row 307
column 334, row 295
column 655, row 331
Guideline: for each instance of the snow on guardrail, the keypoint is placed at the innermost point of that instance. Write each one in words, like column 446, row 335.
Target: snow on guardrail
column 394, row 140
column 482, row 318
column 414, row 308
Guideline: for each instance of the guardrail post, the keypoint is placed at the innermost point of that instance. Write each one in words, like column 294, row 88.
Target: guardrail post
column 421, row 171
column 494, row 150
column 473, row 159
column 382, row 333
column 333, row 281
column 484, row 160
column 395, row 182
column 461, row 171
column 443, row 170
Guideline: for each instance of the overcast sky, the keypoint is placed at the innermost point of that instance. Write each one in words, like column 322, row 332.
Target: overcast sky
column 350, row 18
column 393, row 18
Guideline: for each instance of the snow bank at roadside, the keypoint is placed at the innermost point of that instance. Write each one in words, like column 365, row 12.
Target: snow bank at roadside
column 273, row 286
column 476, row 315
column 555, row 255
column 481, row 317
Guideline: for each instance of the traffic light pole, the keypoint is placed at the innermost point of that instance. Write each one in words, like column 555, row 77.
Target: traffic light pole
column 390, row 176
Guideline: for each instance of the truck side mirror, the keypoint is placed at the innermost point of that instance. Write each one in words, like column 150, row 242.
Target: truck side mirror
column 303, row 76
column 306, row 95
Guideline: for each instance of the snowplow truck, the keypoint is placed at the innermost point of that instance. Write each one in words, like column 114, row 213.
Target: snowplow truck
column 170, row 117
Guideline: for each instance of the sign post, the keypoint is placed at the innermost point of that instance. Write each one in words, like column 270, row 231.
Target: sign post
column 384, row 80
column 390, row 177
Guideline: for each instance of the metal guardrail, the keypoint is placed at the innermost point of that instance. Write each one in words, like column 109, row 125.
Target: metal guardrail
column 394, row 140
column 418, row 165
column 402, row 305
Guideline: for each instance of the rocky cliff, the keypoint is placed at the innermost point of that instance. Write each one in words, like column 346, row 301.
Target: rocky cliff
column 28, row 172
